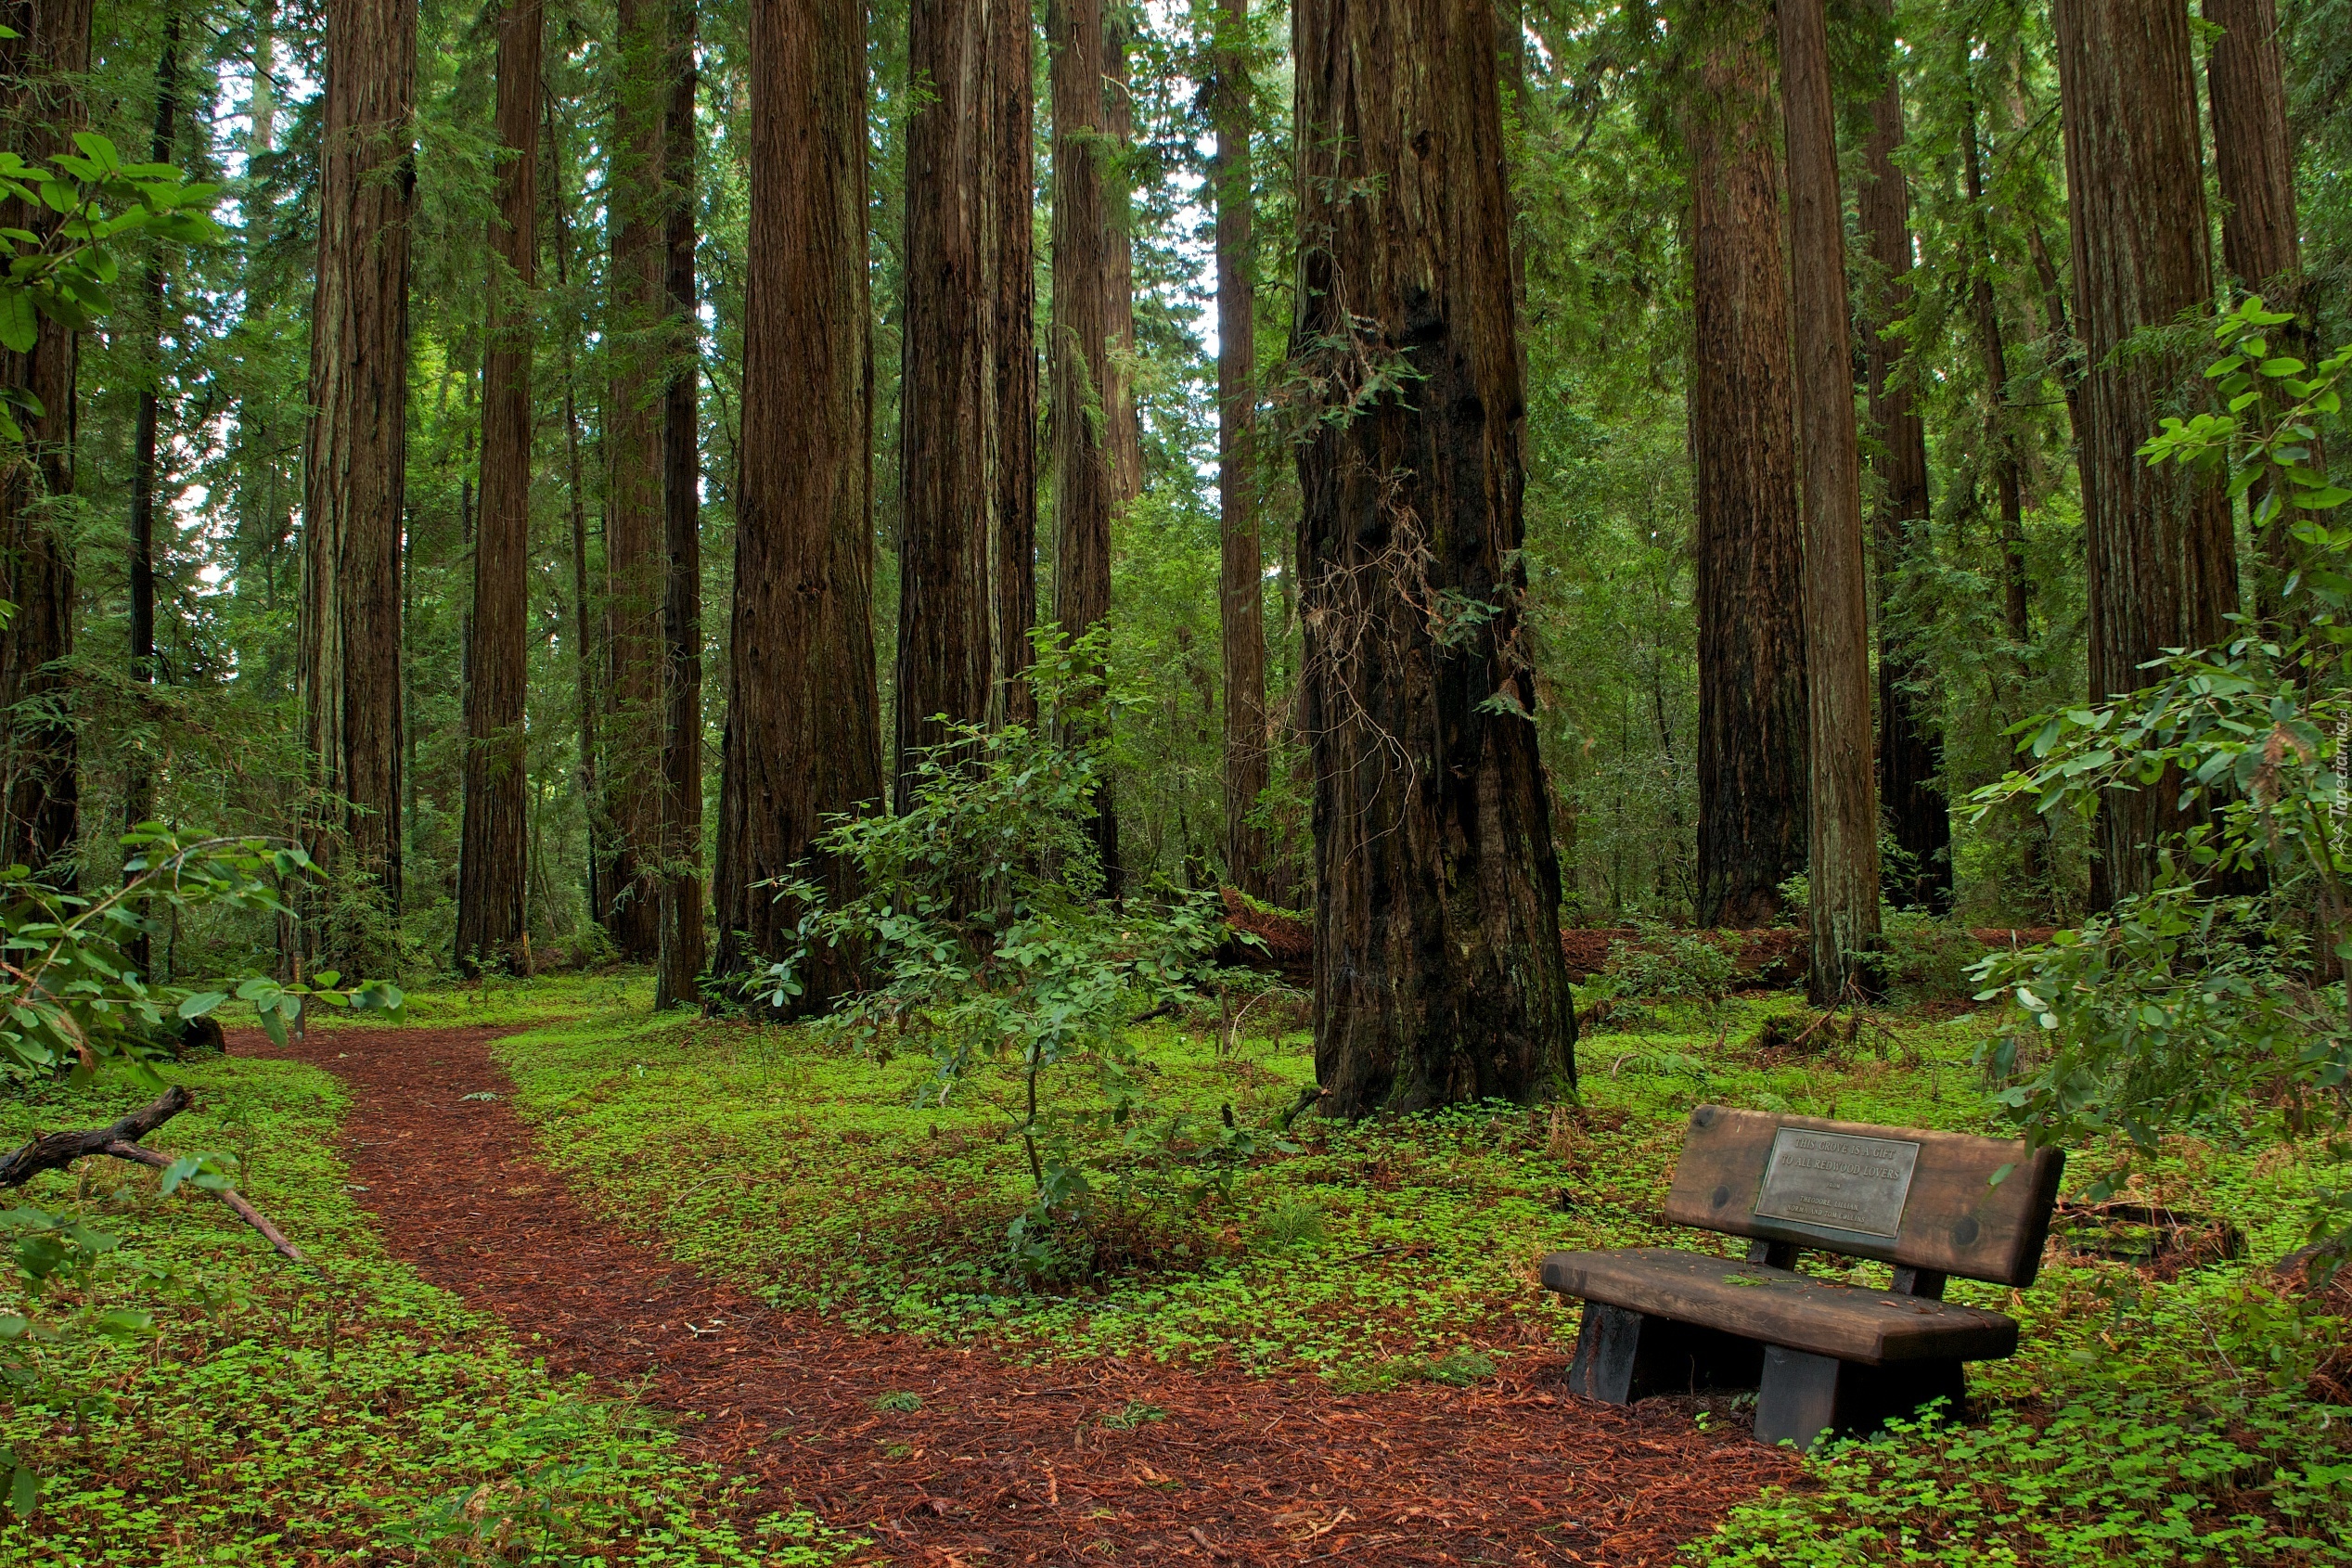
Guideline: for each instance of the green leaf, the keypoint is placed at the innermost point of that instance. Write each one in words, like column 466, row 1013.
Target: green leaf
column 24, row 1493
column 201, row 1003
column 19, row 327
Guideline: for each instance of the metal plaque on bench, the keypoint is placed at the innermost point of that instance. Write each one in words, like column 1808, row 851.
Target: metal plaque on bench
column 1836, row 1181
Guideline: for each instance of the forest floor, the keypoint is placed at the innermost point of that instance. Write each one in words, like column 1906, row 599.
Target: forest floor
column 593, row 1284
column 1112, row 1455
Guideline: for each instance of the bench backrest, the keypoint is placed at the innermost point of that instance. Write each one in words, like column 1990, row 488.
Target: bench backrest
column 1920, row 1200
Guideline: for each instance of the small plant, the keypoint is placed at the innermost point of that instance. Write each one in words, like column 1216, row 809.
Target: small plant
column 1133, row 1414
column 1459, row 1368
column 899, row 1401
column 1292, row 1223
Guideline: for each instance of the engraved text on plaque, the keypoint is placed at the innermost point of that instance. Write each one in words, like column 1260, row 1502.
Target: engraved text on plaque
column 1837, row 1181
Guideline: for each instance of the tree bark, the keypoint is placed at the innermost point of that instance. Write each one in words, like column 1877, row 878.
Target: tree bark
column 1124, row 432
column 138, row 785
column 634, row 521
column 492, row 866
column 1910, row 753
column 583, row 651
column 40, row 72
column 804, row 732
column 967, row 380
column 2254, row 155
column 1438, row 974
column 1242, row 573
column 355, row 455
column 681, row 952
column 1087, row 416
column 1749, row 532
column 1843, row 823
column 2161, row 558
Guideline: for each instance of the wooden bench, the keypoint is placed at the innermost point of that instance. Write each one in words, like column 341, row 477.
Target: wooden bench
column 1823, row 1356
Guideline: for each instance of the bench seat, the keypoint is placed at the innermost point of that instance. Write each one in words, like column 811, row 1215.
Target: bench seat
column 1780, row 1306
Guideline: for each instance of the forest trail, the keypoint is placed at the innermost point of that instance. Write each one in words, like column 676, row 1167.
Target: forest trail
column 1004, row 1463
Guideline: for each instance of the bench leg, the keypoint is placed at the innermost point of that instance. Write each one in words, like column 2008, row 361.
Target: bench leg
column 1803, row 1398
column 1623, row 1356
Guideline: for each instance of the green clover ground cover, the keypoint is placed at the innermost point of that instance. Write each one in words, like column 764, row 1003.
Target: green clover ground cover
column 2144, row 1420
column 348, row 1413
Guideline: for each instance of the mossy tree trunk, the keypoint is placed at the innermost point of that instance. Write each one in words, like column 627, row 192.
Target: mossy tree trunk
column 1438, row 973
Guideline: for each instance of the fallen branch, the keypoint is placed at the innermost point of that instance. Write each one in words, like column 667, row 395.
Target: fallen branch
column 55, row 1151
column 229, row 1195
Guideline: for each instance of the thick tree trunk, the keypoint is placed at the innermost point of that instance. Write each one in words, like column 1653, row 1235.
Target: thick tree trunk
column 804, row 728
column 43, row 66
column 491, row 865
column 634, row 523
column 679, row 964
column 1241, row 576
column 1843, row 823
column 2158, row 544
column 1438, row 974
column 355, row 456
column 1750, row 545
column 968, row 515
column 1910, row 754
column 1087, row 417
column 138, row 785
column 2245, row 77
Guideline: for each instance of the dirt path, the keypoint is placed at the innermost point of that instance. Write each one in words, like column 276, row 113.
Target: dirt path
column 1006, row 1464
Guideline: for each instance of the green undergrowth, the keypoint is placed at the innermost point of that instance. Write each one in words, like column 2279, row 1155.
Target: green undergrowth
column 2147, row 1419
column 345, row 1412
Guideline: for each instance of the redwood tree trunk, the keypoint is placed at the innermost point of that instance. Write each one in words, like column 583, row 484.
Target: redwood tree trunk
column 583, row 651
column 634, row 523
column 1749, row 541
column 1241, row 579
column 803, row 731
column 2008, row 466
column 492, row 861
column 1089, row 417
column 43, row 67
column 138, row 786
column 355, row 456
column 2255, row 157
column 1843, row 819
column 1124, row 433
column 967, row 384
column 1438, row 974
column 1910, row 754
column 2161, row 558
column 680, row 960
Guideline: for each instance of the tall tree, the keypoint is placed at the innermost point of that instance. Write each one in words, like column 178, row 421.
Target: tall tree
column 585, row 649
column 41, row 68
column 2254, row 155
column 1122, row 427
column 2009, row 485
column 967, row 384
column 1241, row 569
column 354, row 454
column 804, row 727
column 1438, row 973
column 2159, row 551
column 1750, row 533
column 138, row 791
column 1842, row 822
column 1909, row 753
column 492, row 864
column 634, row 520
column 1086, row 415
column 681, row 944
